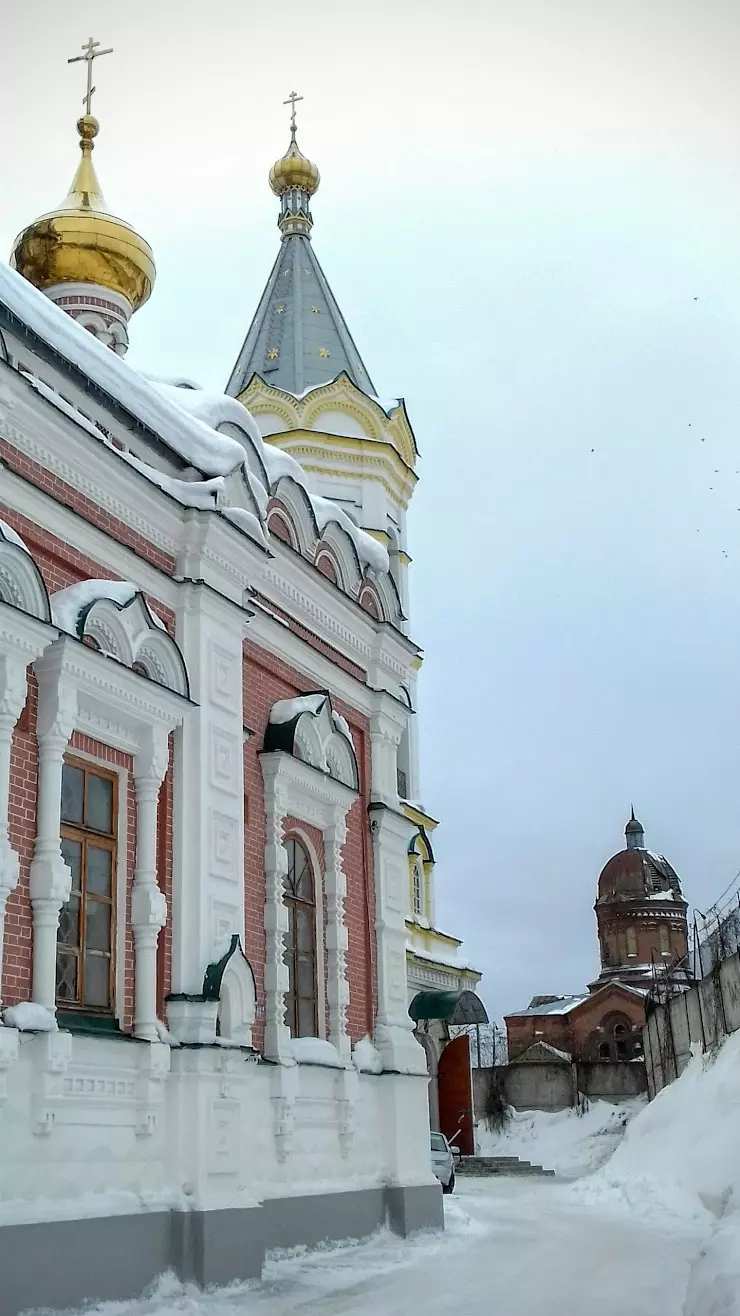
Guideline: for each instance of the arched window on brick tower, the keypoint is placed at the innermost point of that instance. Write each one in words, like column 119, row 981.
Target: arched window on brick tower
column 301, row 1000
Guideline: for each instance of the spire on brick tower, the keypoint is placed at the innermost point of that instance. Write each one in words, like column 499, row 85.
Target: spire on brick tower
column 85, row 259
column 634, row 833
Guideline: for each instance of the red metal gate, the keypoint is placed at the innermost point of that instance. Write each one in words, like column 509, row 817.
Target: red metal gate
column 455, row 1087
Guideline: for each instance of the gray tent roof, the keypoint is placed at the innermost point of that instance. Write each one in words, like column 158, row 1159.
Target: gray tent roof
column 298, row 338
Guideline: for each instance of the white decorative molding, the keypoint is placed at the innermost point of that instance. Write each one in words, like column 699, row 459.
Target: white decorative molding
column 296, row 789
column 81, row 689
column 22, row 638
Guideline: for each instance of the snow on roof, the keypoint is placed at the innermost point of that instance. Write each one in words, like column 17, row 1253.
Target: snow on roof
column 68, row 605
column 192, row 493
column 186, row 418
column 214, row 454
column 561, row 1005
column 662, row 895
column 286, row 709
column 371, row 553
column 9, row 534
column 342, row 725
column 439, row 957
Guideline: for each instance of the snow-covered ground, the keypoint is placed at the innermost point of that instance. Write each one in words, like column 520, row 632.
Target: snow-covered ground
column 656, row 1231
column 562, row 1140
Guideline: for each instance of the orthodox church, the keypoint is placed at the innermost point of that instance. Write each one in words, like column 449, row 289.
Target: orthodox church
column 642, row 927
column 216, row 876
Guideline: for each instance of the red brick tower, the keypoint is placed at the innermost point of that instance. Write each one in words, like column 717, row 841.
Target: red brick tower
column 640, row 912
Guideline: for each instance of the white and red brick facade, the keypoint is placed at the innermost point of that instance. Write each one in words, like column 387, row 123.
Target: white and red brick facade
column 172, row 691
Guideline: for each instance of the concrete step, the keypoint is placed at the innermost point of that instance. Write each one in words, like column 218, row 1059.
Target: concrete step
column 511, row 1165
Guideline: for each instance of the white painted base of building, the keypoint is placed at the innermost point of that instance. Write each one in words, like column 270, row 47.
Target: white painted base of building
column 121, row 1159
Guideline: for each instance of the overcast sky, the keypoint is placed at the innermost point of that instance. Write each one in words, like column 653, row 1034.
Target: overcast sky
column 530, row 215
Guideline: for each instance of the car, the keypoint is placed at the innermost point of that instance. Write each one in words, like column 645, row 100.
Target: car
column 443, row 1164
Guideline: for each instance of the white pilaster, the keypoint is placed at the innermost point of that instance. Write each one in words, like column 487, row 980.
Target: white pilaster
column 13, row 688
column 148, row 904
column 335, row 936
column 50, row 879
column 208, row 887
column 277, row 1033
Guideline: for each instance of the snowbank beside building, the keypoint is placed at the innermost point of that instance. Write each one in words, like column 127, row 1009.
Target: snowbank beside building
column 562, row 1140
column 680, row 1159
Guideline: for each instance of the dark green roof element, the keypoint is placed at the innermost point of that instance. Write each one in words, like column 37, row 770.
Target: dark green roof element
column 298, row 338
column 216, row 970
column 451, row 1007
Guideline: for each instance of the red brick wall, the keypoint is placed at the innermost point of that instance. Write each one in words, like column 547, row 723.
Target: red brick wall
column 266, row 679
column 570, row 1032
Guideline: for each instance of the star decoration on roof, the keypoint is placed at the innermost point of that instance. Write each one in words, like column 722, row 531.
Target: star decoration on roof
column 273, row 354
column 286, row 274
column 324, row 351
column 279, row 309
column 315, row 310
column 305, row 271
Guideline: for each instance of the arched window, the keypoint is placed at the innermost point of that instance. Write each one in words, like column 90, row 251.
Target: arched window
column 418, row 878
column 301, row 1003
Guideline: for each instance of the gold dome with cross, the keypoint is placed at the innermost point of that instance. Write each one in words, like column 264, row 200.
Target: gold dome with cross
column 81, row 242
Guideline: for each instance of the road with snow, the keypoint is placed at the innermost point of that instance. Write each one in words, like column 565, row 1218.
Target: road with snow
column 521, row 1248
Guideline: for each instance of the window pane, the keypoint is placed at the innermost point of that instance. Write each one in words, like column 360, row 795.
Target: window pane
column 69, row 923
column 304, row 884
column 306, row 1019
column 97, row 932
column 72, row 856
column 304, row 921
column 97, row 985
column 99, row 803
column 99, row 870
column 73, row 791
column 66, row 976
column 306, row 977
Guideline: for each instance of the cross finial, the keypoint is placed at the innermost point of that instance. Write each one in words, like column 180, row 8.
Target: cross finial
column 291, row 101
column 90, row 52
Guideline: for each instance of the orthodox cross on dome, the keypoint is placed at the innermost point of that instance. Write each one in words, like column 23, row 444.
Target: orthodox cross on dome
column 292, row 101
column 90, row 52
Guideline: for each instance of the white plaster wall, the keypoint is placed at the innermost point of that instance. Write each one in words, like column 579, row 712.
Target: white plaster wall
column 92, row 1125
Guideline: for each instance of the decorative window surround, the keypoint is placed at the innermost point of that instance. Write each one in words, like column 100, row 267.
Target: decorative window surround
column 22, row 639
column 298, row 790
column 82, row 690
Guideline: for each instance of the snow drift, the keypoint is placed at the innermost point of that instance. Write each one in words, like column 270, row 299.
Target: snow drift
column 562, row 1140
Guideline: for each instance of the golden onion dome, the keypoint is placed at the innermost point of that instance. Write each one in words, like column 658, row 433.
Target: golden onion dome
column 294, row 170
column 81, row 242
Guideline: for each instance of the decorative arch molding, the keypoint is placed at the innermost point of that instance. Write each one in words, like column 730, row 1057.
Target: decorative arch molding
column 115, row 618
column 21, row 582
column 309, row 729
column 297, row 504
column 370, row 602
column 279, row 523
column 326, row 563
column 390, row 600
column 337, row 539
column 230, row 981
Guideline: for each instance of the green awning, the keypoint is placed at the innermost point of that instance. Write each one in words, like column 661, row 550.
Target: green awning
column 452, row 1007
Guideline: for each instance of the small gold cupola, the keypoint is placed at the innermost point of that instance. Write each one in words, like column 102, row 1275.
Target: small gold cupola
column 94, row 265
column 294, row 178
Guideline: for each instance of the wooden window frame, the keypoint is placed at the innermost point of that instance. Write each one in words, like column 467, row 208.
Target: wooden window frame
column 292, row 904
column 84, row 835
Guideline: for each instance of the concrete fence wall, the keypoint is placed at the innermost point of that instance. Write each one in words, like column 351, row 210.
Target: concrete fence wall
column 534, row 1085
column 702, row 1016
